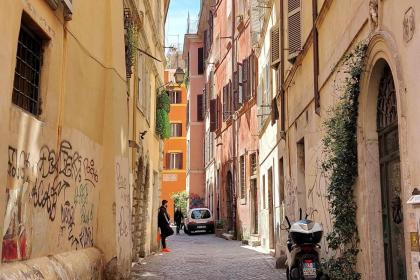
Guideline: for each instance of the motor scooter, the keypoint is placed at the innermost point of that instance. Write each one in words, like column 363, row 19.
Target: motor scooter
column 303, row 250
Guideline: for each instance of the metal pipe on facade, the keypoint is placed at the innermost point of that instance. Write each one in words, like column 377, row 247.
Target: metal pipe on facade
column 234, row 125
column 315, row 56
column 282, row 90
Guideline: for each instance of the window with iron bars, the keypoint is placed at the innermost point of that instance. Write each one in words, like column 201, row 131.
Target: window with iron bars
column 27, row 72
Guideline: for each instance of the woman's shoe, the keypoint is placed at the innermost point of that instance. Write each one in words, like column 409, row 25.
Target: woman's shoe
column 166, row 250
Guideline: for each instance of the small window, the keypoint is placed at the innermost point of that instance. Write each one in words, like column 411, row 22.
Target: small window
column 175, row 96
column 176, row 129
column 174, row 161
column 27, row 72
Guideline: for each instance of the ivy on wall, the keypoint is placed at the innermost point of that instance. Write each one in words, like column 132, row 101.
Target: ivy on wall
column 340, row 166
column 163, row 107
column 131, row 40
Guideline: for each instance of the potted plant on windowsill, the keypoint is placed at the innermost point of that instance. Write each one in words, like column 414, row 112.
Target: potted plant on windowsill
column 219, row 228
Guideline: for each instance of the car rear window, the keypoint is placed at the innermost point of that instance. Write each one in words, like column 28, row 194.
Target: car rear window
column 200, row 214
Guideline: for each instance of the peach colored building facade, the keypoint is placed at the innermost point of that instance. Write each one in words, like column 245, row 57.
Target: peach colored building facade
column 175, row 148
column 194, row 55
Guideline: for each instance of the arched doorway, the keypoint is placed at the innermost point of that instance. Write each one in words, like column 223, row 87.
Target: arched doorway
column 229, row 202
column 390, row 177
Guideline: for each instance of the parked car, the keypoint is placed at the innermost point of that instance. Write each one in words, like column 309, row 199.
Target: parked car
column 199, row 219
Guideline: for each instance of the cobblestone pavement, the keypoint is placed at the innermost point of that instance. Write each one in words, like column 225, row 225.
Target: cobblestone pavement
column 201, row 257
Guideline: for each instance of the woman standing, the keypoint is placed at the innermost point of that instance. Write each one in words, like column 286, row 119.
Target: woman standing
column 164, row 225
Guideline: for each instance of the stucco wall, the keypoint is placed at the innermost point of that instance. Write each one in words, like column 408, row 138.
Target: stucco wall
column 61, row 171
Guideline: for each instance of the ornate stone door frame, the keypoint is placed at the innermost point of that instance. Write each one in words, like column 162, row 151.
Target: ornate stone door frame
column 382, row 50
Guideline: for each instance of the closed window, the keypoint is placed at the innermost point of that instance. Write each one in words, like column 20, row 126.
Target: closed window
column 174, row 160
column 175, row 96
column 27, row 72
column 176, row 129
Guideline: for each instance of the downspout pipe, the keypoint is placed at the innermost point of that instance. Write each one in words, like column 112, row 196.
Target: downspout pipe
column 282, row 90
column 234, row 127
column 315, row 56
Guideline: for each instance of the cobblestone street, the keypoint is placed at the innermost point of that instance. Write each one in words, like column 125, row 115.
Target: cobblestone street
column 202, row 257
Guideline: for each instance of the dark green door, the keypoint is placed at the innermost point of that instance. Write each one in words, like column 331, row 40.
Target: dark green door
column 389, row 154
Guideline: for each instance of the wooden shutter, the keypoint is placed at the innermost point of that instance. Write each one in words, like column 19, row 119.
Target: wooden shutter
column 168, row 161
column 275, row 46
column 295, row 29
column 274, row 111
column 240, row 84
column 206, row 43
column 199, row 107
column 245, row 80
column 200, row 61
column 219, row 112
column 254, row 74
column 231, row 101
column 225, row 105
column 213, row 115
column 181, row 161
column 179, row 97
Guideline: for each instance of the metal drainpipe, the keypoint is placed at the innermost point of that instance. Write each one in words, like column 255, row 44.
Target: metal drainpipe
column 282, row 90
column 234, row 126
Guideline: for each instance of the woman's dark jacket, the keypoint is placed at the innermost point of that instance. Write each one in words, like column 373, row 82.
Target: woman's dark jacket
column 163, row 222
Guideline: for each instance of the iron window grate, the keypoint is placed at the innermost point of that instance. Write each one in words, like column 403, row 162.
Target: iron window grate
column 28, row 66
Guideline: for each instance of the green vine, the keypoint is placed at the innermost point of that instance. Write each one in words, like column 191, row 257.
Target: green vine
column 163, row 106
column 340, row 165
column 131, row 40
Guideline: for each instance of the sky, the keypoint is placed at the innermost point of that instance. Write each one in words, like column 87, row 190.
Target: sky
column 176, row 22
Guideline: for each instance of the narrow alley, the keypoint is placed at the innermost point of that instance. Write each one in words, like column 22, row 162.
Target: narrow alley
column 205, row 256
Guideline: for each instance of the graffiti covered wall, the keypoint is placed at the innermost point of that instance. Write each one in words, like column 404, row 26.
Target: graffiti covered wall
column 51, row 197
column 123, row 215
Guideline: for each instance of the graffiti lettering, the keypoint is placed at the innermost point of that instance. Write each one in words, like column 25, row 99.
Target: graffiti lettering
column 86, row 237
column 81, row 195
column 121, row 180
column 86, row 214
column 91, row 173
column 67, row 214
column 46, row 194
column 49, row 177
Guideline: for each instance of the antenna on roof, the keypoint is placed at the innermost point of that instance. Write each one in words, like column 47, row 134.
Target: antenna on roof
column 188, row 23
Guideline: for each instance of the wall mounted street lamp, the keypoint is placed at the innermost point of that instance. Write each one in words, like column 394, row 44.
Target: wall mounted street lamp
column 179, row 76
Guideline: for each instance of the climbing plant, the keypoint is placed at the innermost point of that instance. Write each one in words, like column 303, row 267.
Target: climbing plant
column 131, row 40
column 340, row 166
column 180, row 200
column 163, row 106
